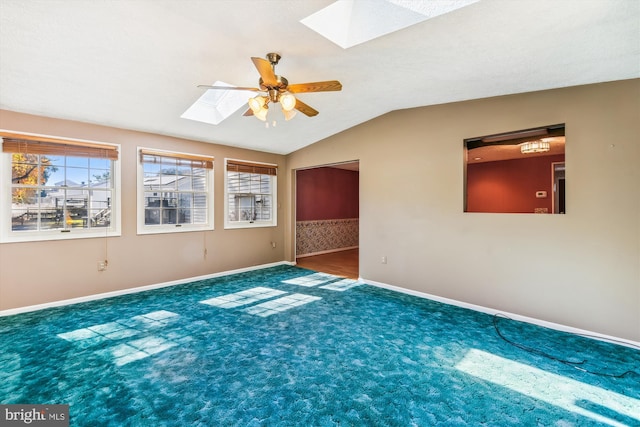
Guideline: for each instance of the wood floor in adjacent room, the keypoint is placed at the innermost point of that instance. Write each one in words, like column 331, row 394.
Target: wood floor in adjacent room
column 342, row 263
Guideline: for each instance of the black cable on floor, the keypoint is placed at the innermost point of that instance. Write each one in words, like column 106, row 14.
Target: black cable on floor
column 575, row 365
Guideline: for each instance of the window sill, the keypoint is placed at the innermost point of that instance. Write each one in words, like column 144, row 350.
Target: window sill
column 249, row 225
column 172, row 229
column 57, row 235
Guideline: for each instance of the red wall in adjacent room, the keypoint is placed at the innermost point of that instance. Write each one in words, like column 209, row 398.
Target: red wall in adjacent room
column 510, row 185
column 326, row 193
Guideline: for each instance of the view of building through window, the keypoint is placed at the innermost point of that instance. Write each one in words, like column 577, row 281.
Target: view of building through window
column 249, row 197
column 175, row 190
column 51, row 192
column 250, row 193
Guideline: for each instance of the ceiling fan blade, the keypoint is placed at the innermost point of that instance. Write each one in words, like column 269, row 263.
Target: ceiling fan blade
column 249, row 112
column 305, row 109
column 266, row 71
column 253, row 89
column 331, row 85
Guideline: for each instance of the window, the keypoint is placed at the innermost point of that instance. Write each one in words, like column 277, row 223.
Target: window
column 250, row 198
column 56, row 188
column 175, row 192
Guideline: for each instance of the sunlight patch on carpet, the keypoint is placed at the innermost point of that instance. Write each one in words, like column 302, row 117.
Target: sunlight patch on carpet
column 246, row 297
column 311, row 280
column 558, row 390
column 122, row 354
column 139, row 349
column 342, row 285
column 281, row 304
column 119, row 329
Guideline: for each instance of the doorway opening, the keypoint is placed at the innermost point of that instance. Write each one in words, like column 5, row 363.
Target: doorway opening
column 327, row 218
column 559, row 206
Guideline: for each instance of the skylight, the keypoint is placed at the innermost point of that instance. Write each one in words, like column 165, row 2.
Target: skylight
column 350, row 22
column 216, row 105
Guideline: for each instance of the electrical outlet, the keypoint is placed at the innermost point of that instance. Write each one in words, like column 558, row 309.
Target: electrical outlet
column 383, row 260
column 102, row 265
column 273, row 244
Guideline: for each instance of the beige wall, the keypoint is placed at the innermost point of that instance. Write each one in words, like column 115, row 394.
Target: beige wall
column 581, row 269
column 39, row 272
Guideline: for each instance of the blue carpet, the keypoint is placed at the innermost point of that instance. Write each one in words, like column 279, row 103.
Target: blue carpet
column 287, row 346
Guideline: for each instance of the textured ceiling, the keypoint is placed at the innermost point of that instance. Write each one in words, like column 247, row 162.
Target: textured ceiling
column 135, row 64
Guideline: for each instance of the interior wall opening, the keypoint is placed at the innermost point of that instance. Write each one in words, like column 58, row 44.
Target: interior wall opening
column 510, row 172
column 327, row 218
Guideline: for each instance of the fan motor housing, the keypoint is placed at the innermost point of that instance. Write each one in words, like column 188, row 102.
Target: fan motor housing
column 282, row 84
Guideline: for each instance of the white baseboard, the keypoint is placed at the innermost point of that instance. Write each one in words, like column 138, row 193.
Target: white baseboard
column 514, row 316
column 328, row 251
column 94, row 297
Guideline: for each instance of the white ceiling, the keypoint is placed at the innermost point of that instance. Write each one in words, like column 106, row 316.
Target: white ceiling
column 135, row 64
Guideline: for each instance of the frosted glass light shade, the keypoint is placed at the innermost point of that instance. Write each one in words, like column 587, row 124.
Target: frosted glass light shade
column 288, row 102
column 256, row 104
column 288, row 115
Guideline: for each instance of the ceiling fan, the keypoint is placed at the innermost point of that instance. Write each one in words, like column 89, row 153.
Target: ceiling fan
column 278, row 89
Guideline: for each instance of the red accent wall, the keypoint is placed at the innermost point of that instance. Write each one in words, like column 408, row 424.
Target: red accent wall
column 510, row 185
column 326, row 193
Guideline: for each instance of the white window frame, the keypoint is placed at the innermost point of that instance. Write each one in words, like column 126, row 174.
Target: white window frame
column 143, row 228
column 7, row 235
column 273, row 222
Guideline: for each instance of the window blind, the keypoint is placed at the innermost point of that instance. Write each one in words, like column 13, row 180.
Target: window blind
column 151, row 156
column 32, row 144
column 249, row 167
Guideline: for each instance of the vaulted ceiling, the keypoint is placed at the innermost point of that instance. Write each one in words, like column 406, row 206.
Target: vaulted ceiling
column 136, row 64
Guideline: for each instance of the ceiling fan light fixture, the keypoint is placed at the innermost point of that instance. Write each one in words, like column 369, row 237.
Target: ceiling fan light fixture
column 259, row 107
column 288, row 115
column 537, row 146
column 257, row 103
column 261, row 114
column 288, row 102
column 277, row 89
